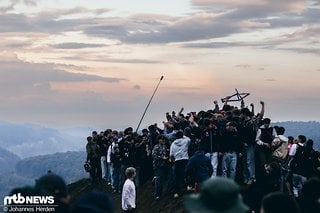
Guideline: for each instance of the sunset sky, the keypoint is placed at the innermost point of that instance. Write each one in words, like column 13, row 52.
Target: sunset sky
column 67, row 63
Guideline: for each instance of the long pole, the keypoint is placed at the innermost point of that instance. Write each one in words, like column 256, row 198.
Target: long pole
column 154, row 92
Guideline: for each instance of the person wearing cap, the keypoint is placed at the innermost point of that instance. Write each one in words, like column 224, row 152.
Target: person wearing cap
column 217, row 195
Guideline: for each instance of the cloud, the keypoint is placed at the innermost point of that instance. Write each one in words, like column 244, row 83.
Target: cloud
column 207, row 24
column 244, row 66
column 194, row 27
column 136, row 87
column 42, row 93
column 75, row 45
column 53, row 21
column 30, row 2
column 21, row 77
column 62, row 14
column 208, row 45
column 312, row 50
column 109, row 59
column 142, row 28
column 13, row 3
column 29, row 72
column 303, row 39
column 45, row 93
column 268, row 5
column 214, row 19
column 7, row 8
column 306, row 32
column 271, row 79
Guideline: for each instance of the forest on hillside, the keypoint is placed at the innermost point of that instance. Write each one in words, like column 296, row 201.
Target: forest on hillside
column 310, row 129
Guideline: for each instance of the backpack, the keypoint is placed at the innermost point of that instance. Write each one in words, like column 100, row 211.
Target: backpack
column 87, row 166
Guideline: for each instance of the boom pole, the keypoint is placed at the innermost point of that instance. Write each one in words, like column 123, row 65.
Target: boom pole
column 154, row 92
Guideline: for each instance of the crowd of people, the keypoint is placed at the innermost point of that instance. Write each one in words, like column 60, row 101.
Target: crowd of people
column 231, row 142
column 229, row 159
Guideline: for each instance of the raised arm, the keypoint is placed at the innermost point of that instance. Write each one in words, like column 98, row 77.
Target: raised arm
column 192, row 121
column 216, row 106
column 261, row 114
column 252, row 108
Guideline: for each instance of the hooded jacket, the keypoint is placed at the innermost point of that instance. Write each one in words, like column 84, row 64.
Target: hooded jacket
column 199, row 167
column 179, row 148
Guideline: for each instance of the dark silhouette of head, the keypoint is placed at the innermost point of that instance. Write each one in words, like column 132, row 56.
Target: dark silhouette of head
column 278, row 202
column 179, row 135
column 93, row 202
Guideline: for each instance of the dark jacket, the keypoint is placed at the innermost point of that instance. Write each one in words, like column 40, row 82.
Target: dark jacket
column 230, row 142
column 248, row 131
column 103, row 145
column 199, row 167
column 305, row 162
column 93, row 150
column 116, row 157
column 266, row 135
column 210, row 140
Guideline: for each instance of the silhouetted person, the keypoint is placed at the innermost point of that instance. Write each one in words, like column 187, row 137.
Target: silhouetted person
column 310, row 196
column 217, row 195
column 55, row 186
column 93, row 202
column 304, row 165
column 278, row 202
column 199, row 169
column 93, row 157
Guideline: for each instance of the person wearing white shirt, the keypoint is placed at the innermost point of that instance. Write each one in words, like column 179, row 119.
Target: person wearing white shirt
column 109, row 164
column 180, row 157
column 128, row 201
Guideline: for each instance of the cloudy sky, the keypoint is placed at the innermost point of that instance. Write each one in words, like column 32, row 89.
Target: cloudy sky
column 96, row 63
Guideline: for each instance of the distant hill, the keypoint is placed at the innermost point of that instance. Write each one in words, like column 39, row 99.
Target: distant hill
column 8, row 161
column 27, row 140
column 67, row 164
column 11, row 180
column 310, row 129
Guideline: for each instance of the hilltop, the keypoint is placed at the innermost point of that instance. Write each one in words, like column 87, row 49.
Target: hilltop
column 145, row 201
